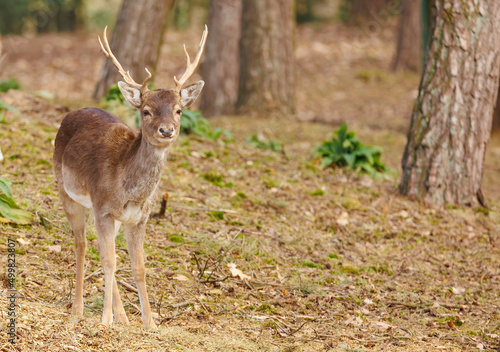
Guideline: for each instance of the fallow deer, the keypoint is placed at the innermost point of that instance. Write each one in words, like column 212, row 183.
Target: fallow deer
column 103, row 164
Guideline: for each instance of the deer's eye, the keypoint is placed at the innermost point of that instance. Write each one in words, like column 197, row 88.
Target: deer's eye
column 146, row 113
column 179, row 111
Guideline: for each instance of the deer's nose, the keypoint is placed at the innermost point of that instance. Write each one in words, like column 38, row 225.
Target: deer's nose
column 166, row 133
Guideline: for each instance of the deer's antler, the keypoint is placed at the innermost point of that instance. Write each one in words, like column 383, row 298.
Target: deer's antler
column 125, row 74
column 191, row 66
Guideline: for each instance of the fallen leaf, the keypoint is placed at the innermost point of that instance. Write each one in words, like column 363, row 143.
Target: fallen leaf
column 451, row 325
column 404, row 214
column 237, row 272
column 480, row 346
column 367, row 301
column 458, row 290
column 354, row 321
column 23, row 241
column 383, row 325
column 215, row 292
column 180, row 277
column 343, row 219
column 56, row 248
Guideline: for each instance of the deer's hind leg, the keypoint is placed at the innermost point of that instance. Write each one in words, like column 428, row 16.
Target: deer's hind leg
column 75, row 213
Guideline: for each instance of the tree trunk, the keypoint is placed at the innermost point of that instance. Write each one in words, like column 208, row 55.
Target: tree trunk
column 266, row 57
column 221, row 68
column 409, row 50
column 136, row 41
column 451, row 121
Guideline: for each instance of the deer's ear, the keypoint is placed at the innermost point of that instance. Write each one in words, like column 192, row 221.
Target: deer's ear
column 132, row 95
column 190, row 93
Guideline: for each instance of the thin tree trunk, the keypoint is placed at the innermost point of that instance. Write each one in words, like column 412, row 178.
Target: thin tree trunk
column 409, row 50
column 266, row 57
column 136, row 40
column 451, row 121
column 221, row 68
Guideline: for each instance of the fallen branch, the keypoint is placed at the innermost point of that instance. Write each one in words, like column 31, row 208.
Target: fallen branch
column 128, row 287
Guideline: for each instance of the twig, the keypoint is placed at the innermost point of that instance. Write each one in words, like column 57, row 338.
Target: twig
column 127, row 286
column 93, row 274
column 199, row 301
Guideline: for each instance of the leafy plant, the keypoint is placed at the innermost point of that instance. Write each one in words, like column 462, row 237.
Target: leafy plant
column 9, row 210
column 114, row 94
column 346, row 150
column 9, row 84
column 273, row 145
column 193, row 122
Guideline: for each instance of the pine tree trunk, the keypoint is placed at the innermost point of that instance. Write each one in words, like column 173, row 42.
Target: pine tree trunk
column 221, row 68
column 451, row 121
column 409, row 50
column 266, row 57
column 136, row 41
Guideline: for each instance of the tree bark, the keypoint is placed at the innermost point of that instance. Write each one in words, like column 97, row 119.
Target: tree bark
column 409, row 49
column 136, row 41
column 266, row 58
column 451, row 121
column 221, row 68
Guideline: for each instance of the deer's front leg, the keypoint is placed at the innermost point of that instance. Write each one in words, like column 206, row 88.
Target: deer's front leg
column 135, row 243
column 105, row 227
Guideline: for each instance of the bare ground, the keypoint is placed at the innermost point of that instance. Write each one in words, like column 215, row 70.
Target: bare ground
column 357, row 268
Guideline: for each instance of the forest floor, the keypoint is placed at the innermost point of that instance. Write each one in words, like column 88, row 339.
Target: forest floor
column 337, row 261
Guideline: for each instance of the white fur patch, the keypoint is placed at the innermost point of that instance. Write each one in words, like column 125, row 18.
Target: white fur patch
column 83, row 199
column 117, row 227
column 74, row 189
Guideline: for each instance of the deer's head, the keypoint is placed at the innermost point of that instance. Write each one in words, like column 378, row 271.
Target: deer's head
column 160, row 109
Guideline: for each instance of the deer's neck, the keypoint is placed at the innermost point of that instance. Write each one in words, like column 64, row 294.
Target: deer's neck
column 142, row 172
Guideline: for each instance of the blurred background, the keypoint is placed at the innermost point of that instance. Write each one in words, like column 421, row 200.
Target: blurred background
column 320, row 61
column 341, row 50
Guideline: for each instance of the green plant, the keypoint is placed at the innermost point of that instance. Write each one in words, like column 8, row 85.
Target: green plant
column 114, row 94
column 9, row 84
column 193, row 122
column 346, row 150
column 257, row 142
column 9, row 210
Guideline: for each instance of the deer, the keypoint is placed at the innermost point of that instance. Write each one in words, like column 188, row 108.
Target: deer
column 102, row 164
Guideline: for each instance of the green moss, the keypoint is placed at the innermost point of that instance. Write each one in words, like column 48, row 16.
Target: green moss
column 318, row 192
column 219, row 215
column 176, row 238
column 309, row 264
